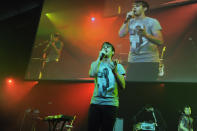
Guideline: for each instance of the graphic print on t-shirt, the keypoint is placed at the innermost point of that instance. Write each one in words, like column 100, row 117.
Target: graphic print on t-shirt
column 104, row 82
column 137, row 40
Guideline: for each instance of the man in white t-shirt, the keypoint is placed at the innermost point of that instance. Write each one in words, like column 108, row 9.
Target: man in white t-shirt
column 109, row 76
column 145, row 38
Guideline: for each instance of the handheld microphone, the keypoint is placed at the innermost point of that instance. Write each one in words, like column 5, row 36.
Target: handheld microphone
column 102, row 55
column 128, row 18
column 115, row 63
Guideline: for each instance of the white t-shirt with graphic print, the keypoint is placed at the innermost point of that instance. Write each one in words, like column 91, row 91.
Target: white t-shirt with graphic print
column 106, row 87
column 141, row 49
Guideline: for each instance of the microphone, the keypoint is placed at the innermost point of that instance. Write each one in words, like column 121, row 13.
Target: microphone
column 102, row 55
column 128, row 18
column 115, row 63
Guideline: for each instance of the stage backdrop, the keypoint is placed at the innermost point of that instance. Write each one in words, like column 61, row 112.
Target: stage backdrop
column 84, row 25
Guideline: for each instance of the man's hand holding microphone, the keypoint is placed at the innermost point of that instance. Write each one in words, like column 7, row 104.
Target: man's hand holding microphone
column 129, row 15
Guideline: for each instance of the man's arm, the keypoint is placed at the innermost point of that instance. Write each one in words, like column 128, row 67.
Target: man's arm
column 46, row 48
column 181, row 125
column 95, row 65
column 124, row 29
column 94, row 68
column 119, row 78
column 156, row 38
column 61, row 46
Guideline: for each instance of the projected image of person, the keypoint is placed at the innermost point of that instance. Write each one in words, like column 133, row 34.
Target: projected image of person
column 186, row 121
column 51, row 55
column 145, row 38
column 108, row 76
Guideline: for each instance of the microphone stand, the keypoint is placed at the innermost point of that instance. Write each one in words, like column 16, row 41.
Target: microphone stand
column 137, row 114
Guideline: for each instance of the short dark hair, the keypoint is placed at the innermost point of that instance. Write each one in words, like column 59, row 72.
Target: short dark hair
column 107, row 43
column 148, row 106
column 56, row 34
column 143, row 2
column 187, row 106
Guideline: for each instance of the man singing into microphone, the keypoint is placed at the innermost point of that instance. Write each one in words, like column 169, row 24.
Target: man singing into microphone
column 109, row 76
column 145, row 37
column 51, row 56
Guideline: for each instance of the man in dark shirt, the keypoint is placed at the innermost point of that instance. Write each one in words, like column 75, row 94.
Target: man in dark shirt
column 186, row 121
